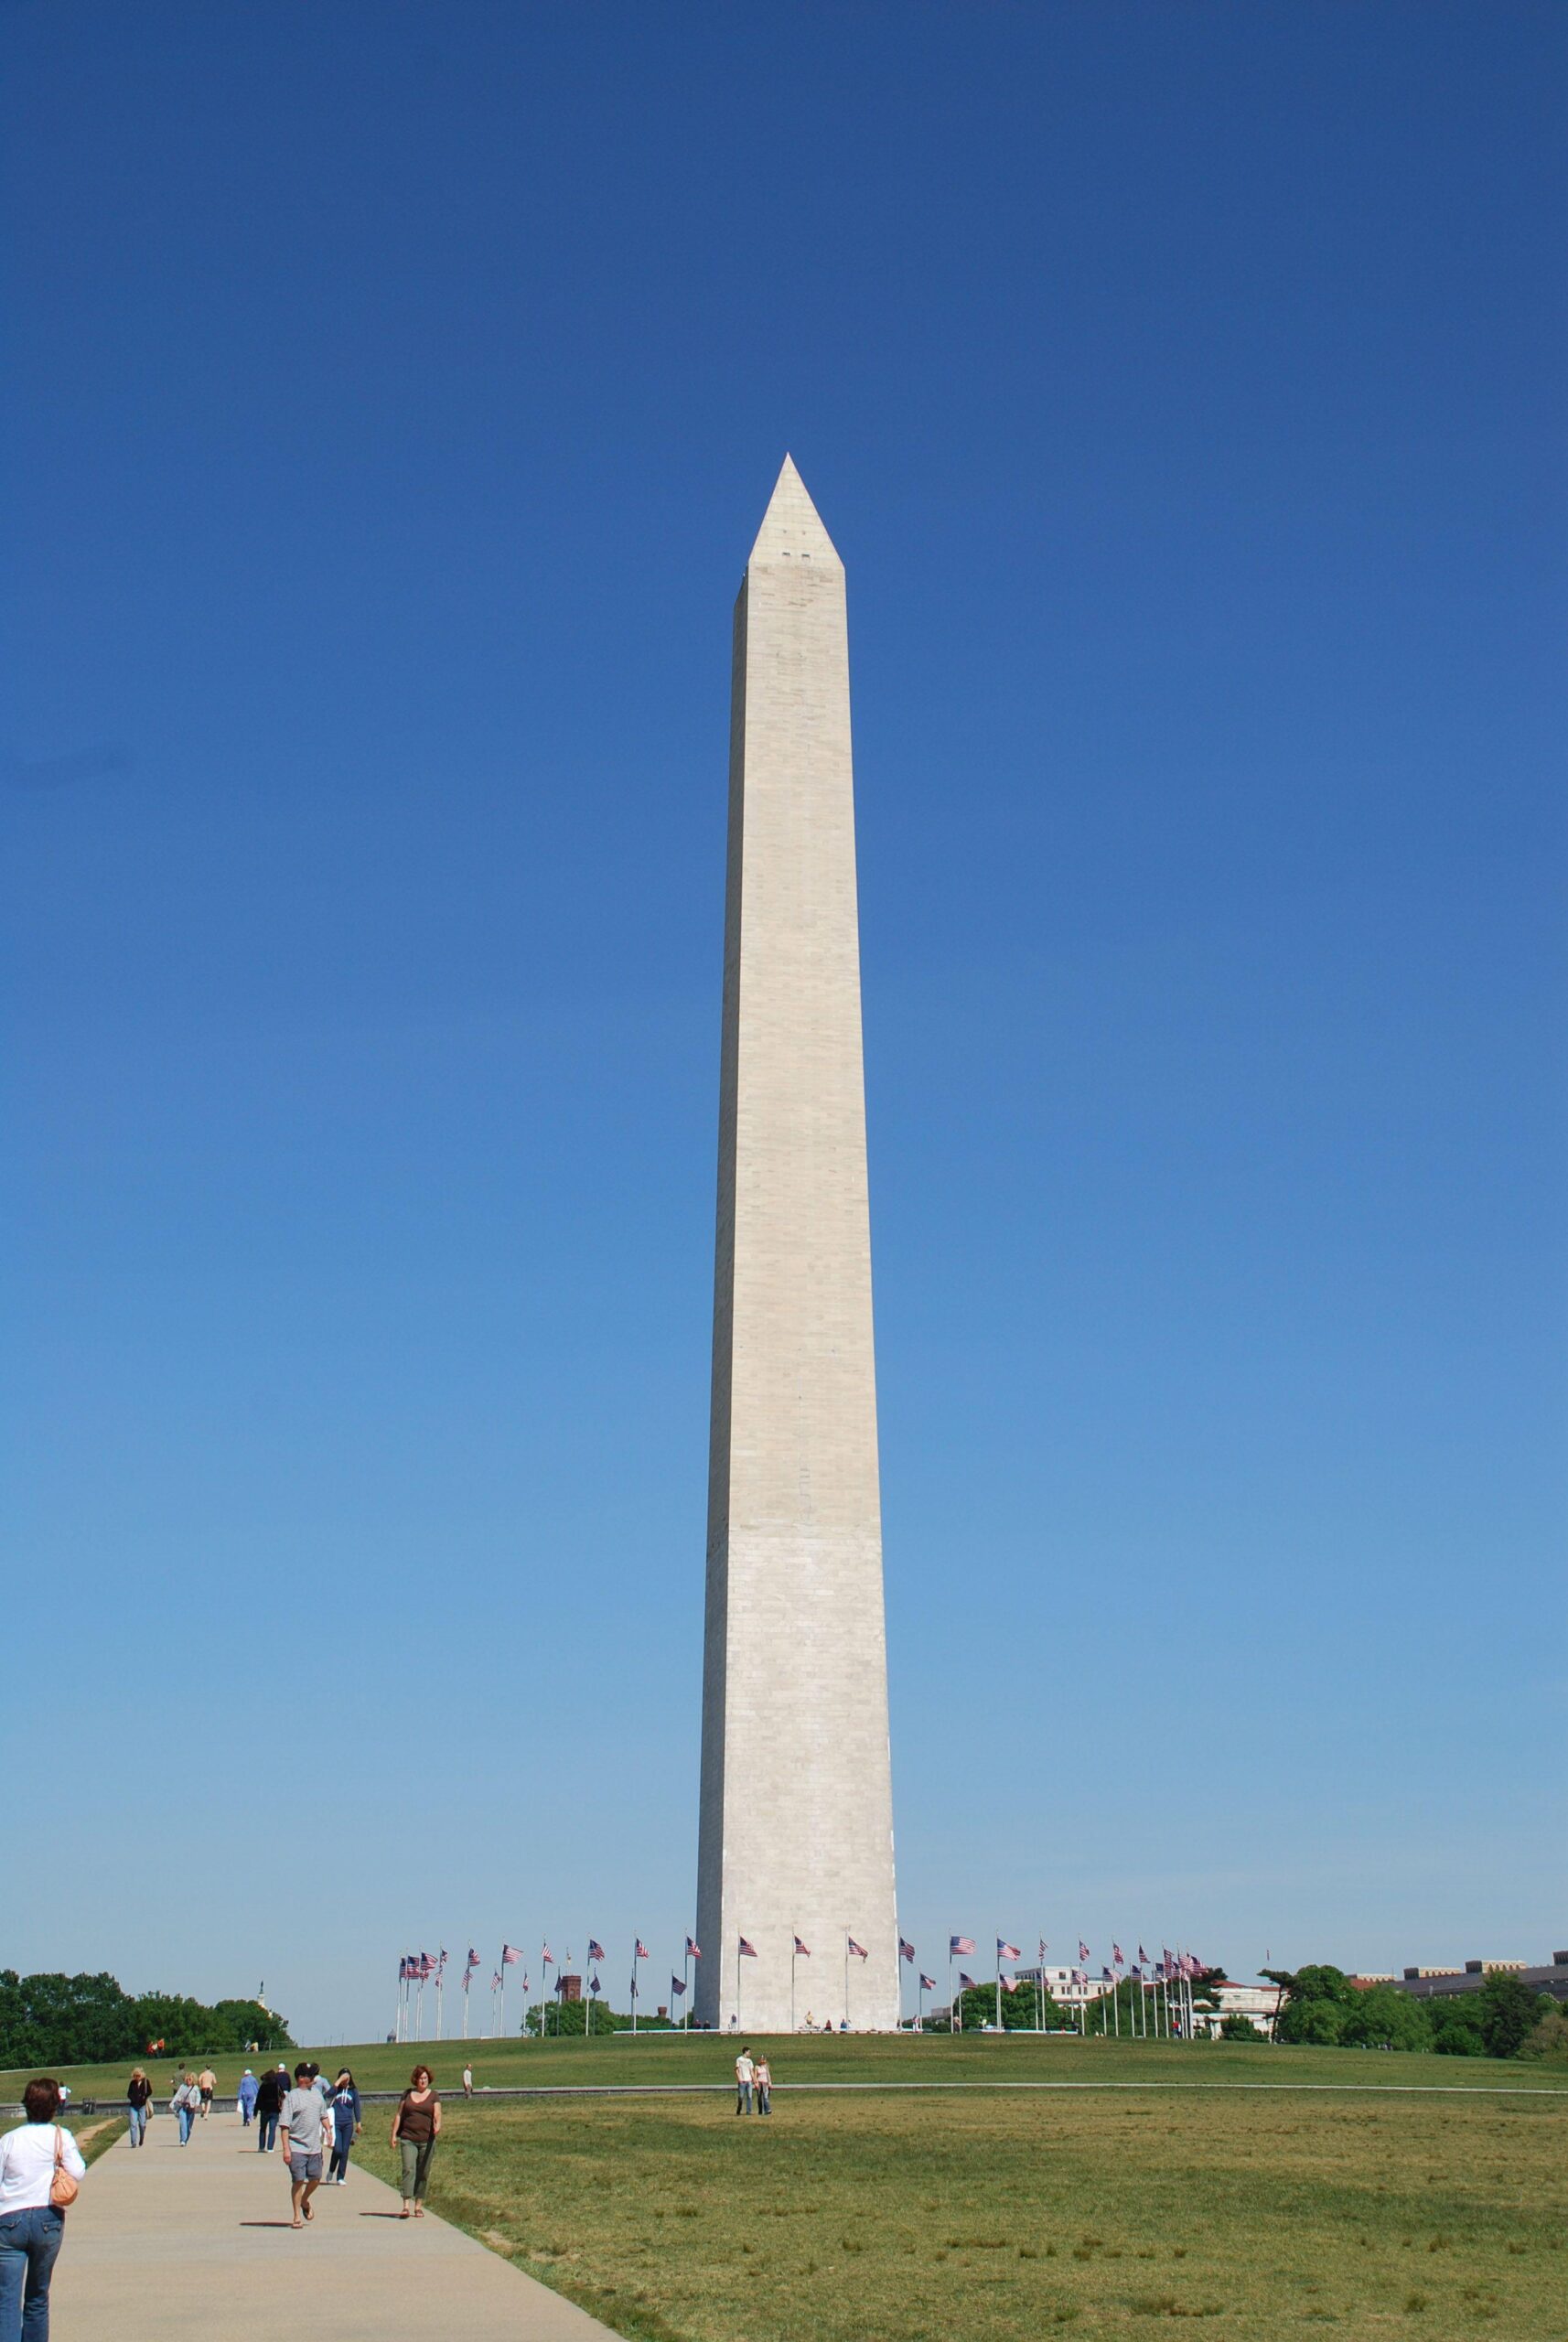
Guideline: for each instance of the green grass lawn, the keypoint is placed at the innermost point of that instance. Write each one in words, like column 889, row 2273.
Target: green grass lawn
column 983, row 2214
column 996, row 2217
column 852, row 2057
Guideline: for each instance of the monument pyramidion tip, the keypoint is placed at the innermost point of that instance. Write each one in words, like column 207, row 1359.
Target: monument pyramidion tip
column 791, row 526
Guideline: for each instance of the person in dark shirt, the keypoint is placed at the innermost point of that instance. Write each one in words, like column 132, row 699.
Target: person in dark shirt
column 345, row 2120
column 268, row 2104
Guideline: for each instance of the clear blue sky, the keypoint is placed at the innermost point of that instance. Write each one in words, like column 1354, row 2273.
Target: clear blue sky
column 395, row 391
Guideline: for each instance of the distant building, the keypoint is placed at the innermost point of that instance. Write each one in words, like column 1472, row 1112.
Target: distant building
column 1060, row 1984
column 570, row 1988
column 1438, row 1984
column 1259, row 2003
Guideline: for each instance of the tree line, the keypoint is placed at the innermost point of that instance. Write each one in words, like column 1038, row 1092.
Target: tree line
column 1504, row 2019
column 55, row 2020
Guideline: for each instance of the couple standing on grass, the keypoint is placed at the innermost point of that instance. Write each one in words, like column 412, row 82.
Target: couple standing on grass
column 313, row 2122
column 753, row 2078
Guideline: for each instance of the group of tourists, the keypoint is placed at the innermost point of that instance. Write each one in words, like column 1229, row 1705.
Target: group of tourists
column 312, row 2122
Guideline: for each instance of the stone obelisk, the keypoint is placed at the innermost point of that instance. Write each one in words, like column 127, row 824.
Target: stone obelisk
column 796, row 1841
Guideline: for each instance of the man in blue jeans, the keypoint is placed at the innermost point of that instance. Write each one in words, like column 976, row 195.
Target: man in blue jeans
column 270, row 2092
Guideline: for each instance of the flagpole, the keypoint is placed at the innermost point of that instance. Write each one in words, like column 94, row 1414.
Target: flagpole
column 952, row 2010
column 793, row 1940
column 846, row 1975
column 998, row 1983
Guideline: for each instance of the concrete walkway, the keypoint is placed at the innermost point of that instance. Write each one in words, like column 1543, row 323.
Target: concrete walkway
column 170, row 2241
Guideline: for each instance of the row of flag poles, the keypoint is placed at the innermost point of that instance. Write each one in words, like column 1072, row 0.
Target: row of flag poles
column 1158, row 1981
column 1167, row 1982
column 416, row 1969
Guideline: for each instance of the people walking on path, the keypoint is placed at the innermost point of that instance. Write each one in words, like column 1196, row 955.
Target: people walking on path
column 206, row 2082
column 269, row 2096
column 416, row 2128
column 346, row 2126
column 467, row 2081
column 245, row 2098
column 744, row 2072
column 32, row 2222
column 303, row 2123
column 139, row 2102
column 762, row 2083
column 184, row 2104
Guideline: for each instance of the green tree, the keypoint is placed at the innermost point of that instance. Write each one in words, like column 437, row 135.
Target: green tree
column 1549, row 2040
column 55, row 2020
column 1237, row 2028
column 1456, row 2024
column 1315, row 2021
column 1386, row 2018
column 1510, row 2014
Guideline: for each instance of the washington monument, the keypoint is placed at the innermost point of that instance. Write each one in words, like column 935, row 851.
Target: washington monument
column 795, row 1901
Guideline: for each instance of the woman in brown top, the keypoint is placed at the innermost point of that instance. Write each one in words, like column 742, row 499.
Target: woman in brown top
column 416, row 2128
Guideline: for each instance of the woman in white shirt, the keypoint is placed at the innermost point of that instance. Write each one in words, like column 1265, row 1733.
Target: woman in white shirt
column 31, row 2228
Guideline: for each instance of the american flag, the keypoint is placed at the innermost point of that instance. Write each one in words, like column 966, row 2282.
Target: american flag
column 959, row 1947
column 495, row 1982
column 426, row 1966
column 1105, row 1972
column 641, row 1951
column 402, row 1969
column 1143, row 1957
column 803, row 1949
column 546, row 1957
column 473, row 1957
column 1118, row 1956
column 747, row 1951
column 1044, row 1947
column 694, row 1950
column 1082, row 1949
column 468, row 1978
column 858, row 1950
column 1007, row 1951
column 928, row 1984
column 905, row 1950
column 1009, row 1984
column 965, row 1984
column 595, row 1950
column 509, row 1956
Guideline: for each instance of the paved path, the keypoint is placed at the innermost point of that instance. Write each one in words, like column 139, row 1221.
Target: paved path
column 166, row 2241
